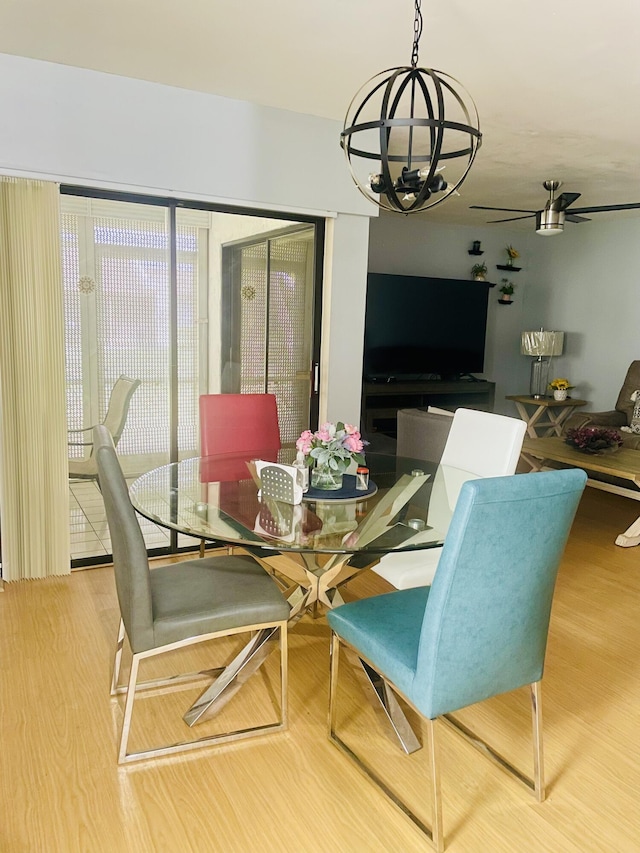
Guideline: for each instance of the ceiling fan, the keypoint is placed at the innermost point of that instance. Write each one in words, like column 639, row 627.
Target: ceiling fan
column 551, row 219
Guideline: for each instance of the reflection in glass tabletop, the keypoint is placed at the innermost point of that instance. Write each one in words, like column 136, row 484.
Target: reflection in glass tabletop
column 217, row 498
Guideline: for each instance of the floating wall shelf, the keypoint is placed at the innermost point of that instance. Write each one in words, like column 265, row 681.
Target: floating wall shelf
column 505, row 267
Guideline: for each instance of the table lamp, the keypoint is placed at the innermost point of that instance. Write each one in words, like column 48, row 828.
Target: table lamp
column 542, row 346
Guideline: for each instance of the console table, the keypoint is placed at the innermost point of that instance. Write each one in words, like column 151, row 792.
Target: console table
column 557, row 411
column 381, row 400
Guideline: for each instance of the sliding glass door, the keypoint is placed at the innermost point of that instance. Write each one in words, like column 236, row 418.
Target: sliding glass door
column 188, row 301
column 268, row 297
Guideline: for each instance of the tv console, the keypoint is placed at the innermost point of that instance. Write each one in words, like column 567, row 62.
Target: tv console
column 381, row 400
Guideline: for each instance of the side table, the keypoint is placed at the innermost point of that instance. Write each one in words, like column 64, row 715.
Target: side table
column 557, row 411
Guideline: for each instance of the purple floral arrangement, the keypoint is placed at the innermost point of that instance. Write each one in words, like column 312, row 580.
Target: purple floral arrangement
column 594, row 439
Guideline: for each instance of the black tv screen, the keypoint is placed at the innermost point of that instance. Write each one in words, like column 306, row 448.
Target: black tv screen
column 424, row 328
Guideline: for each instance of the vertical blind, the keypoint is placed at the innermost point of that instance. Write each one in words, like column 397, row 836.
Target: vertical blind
column 33, row 462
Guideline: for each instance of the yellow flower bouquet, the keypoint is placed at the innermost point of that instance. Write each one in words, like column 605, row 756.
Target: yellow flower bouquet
column 560, row 385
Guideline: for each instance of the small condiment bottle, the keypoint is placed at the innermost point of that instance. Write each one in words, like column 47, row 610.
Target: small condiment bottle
column 362, row 478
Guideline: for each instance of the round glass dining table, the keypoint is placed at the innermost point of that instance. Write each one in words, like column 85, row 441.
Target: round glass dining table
column 323, row 541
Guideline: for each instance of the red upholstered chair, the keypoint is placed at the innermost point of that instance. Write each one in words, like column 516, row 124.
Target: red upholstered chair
column 236, row 423
column 231, row 423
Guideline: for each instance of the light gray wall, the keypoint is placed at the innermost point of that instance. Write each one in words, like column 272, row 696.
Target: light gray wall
column 88, row 128
column 588, row 285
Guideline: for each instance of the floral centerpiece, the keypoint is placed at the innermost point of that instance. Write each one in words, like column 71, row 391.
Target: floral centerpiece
column 594, row 440
column 329, row 451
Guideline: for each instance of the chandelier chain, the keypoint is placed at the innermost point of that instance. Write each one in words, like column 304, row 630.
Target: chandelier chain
column 417, row 32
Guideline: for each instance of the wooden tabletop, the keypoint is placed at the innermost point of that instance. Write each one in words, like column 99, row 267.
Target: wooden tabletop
column 546, row 401
column 624, row 463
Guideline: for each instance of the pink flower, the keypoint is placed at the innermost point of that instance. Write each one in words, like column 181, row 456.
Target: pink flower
column 304, row 442
column 353, row 443
column 326, row 432
column 351, row 430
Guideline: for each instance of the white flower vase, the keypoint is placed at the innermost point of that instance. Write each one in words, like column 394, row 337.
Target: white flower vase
column 560, row 394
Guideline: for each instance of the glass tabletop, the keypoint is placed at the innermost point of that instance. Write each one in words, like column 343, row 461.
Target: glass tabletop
column 217, row 498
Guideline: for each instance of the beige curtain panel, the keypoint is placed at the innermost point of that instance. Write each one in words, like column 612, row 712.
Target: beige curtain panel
column 34, row 497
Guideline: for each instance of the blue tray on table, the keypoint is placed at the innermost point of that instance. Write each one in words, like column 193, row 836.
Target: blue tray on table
column 348, row 492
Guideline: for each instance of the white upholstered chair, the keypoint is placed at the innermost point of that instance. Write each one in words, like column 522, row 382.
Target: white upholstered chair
column 485, row 444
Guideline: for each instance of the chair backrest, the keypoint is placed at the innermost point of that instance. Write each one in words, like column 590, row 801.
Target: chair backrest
column 487, row 615
column 130, row 562
column 486, row 444
column 238, row 423
column 631, row 383
column 118, row 408
column 422, row 435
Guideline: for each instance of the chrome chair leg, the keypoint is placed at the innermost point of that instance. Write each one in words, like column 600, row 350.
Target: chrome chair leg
column 117, row 660
column 437, row 832
column 535, row 784
column 538, row 756
column 128, row 709
column 134, row 686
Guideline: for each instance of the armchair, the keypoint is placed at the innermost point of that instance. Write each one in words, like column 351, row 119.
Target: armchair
column 618, row 417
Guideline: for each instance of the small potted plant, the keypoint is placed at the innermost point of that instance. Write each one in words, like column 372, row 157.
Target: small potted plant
column 479, row 271
column 560, row 387
column 506, row 289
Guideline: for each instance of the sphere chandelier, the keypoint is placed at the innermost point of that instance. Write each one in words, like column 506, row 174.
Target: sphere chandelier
column 415, row 123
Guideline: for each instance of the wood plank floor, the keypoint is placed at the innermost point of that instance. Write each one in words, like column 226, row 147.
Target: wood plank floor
column 62, row 791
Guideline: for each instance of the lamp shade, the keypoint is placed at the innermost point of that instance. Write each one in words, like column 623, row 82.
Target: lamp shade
column 541, row 343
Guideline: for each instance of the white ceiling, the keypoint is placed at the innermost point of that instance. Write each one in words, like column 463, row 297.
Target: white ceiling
column 556, row 82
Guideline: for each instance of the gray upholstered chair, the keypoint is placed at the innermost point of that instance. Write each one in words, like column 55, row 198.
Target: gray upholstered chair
column 423, row 435
column 181, row 604
column 85, row 468
column 480, row 630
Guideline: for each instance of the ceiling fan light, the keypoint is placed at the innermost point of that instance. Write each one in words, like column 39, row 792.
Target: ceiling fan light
column 549, row 222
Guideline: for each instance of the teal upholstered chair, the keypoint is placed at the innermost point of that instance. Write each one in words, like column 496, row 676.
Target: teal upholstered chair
column 180, row 605
column 481, row 628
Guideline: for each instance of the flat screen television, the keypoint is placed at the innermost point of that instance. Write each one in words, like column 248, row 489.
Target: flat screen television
column 423, row 328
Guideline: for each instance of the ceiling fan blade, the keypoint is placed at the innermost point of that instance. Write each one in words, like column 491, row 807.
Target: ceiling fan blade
column 511, row 219
column 571, row 217
column 506, row 209
column 566, row 199
column 604, row 207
